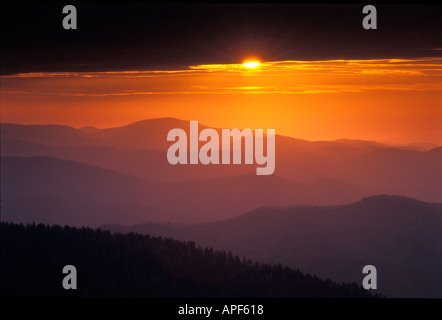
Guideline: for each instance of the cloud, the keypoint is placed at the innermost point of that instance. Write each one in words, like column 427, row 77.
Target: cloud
column 277, row 77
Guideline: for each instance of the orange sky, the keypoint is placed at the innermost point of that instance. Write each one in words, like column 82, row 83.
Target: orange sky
column 385, row 100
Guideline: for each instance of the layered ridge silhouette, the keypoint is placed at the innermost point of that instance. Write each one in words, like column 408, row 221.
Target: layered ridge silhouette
column 139, row 149
column 120, row 176
column 51, row 190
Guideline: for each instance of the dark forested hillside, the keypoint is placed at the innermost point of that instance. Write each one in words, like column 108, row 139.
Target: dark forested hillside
column 33, row 256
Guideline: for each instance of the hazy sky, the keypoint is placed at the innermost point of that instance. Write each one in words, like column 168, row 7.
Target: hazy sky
column 322, row 75
column 387, row 100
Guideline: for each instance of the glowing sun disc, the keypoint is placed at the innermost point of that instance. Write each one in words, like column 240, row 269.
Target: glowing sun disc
column 251, row 64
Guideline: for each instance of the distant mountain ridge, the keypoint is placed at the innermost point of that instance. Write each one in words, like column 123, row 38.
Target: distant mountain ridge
column 80, row 194
column 139, row 149
column 131, row 135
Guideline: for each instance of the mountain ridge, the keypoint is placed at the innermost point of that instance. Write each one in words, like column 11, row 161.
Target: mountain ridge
column 172, row 122
column 193, row 200
column 402, row 241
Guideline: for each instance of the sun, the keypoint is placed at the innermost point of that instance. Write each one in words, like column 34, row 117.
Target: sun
column 251, row 64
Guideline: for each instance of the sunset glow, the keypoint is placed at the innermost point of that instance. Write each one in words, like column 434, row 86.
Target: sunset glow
column 379, row 99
